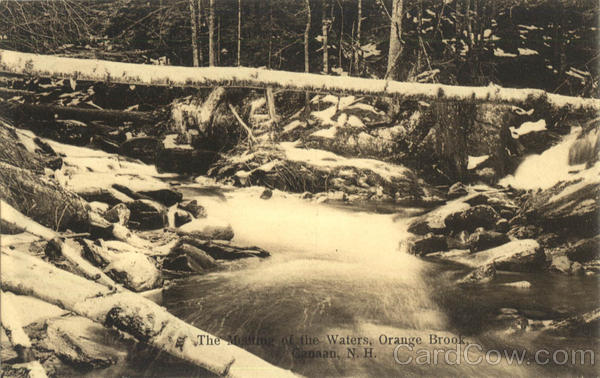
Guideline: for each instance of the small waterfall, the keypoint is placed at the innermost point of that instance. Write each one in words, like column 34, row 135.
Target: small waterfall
column 548, row 168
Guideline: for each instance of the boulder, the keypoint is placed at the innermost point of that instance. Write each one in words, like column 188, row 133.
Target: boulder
column 419, row 227
column 516, row 256
column 525, row 232
column 7, row 352
column 568, row 207
column 266, row 194
column 99, row 226
column 118, row 214
column 502, row 225
column 482, row 239
column 434, row 220
column 182, row 217
column 166, row 196
column 429, row 243
column 147, row 215
column 135, row 271
column 580, row 325
column 208, row 229
column 81, row 342
column 585, row 250
column 223, row 250
column 198, row 211
column 562, row 264
column 109, row 196
column 483, row 274
column 457, row 190
column 32, row 369
column 477, row 216
column 187, row 257
column 538, row 141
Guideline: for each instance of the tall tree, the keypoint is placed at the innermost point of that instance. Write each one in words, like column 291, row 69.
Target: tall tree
column 211, row 32
column 306, row 58
column 395, row 41
column 326, row 23
column 306, row 36
column 270, row 34
column 194, row 26
column 357, row 47
column 239, row 34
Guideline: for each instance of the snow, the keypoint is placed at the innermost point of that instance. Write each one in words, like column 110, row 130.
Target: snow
column 354, row 121
column 525, row 52
column 30, row 309
column 169, row 142
column 326, row 133
column 575, row 75
column 326, row 159
column 499, row 52
column 529, row 27
column 293, row 125
column 528, row 127
column 474, row 161
column 370, row 49
column 324, row 116
column 129, row 73
column 12, row 322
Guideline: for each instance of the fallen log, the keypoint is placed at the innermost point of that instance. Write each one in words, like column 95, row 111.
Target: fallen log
column 12, row 323
column 10, row 214
column 51, row 112
column 8, row 92
column 199, row 77
column 130, row 313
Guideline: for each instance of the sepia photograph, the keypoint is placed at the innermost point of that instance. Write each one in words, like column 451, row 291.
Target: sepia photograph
column 299, row 188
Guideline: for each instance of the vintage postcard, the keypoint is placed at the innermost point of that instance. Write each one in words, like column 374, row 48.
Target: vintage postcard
column 317, row 188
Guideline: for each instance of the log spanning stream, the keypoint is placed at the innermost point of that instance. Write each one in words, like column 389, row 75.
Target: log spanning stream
column 338, row 295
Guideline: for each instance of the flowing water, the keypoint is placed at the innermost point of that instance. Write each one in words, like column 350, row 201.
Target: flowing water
column 338, row 274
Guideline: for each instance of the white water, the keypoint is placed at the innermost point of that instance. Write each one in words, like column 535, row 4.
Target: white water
column 331, row 271
column 550, row 167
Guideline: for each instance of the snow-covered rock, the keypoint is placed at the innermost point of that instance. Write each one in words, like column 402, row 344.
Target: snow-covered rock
column 208, row 228
column 135, row 271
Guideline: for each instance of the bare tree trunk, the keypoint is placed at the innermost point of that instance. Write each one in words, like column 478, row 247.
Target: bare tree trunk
column 395, row 42
column 306, row 56
column 307, row 36
column 194, row 25
column 211, row 32
column 326, row 22
column 270, row 34
column 357, row 47
column 199, row 24
column 239, row 34
column 341, row 33
column 218, row 40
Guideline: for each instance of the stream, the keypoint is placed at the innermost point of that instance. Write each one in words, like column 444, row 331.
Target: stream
column 340, row 274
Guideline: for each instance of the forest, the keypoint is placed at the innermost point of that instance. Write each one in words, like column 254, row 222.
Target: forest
column 549, row 45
